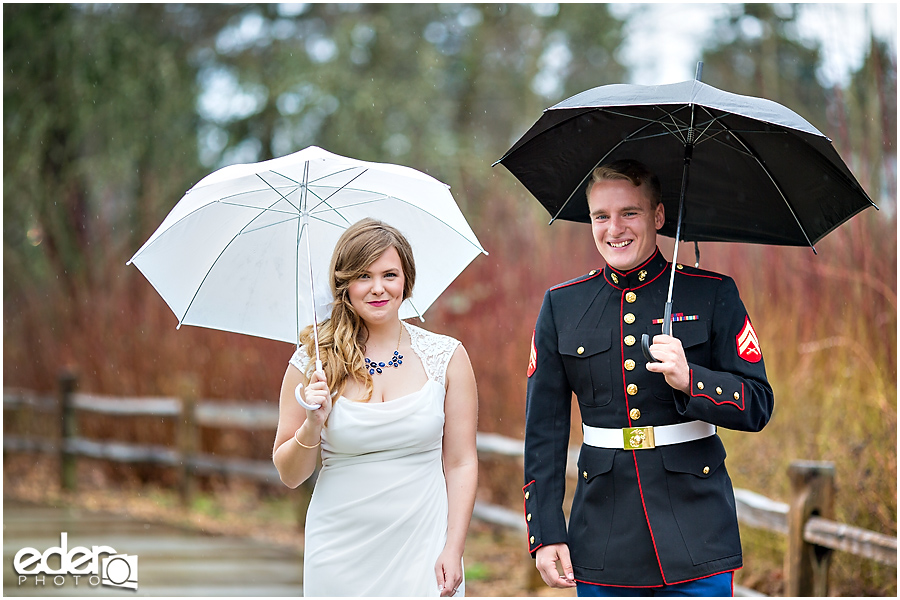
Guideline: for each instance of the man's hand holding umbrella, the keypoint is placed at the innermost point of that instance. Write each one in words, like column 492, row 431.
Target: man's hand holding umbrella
column 671, row 362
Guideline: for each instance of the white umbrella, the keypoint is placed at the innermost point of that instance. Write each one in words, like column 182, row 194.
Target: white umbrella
column 247, row 249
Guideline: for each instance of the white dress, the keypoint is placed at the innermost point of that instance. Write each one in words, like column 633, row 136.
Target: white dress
column 377, row 520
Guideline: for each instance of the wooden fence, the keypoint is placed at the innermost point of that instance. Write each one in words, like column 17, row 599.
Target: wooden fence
column 806, row 521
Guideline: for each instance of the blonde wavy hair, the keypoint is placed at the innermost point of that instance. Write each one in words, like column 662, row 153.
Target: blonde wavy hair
column 343, row 335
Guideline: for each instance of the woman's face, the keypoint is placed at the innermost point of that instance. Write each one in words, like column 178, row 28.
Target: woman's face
column 377, row 294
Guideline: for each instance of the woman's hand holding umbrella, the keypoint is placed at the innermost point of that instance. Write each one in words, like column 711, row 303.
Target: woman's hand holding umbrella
column 314, row 397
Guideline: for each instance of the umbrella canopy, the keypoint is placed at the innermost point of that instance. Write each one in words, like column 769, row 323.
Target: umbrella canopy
column 759, row 173
column 244, row 249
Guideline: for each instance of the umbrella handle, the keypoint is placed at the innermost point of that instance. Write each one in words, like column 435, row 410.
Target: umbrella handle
column 645, row 347
column 298, row 394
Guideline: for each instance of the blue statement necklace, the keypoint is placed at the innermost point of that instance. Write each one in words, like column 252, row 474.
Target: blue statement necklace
column 395, row 361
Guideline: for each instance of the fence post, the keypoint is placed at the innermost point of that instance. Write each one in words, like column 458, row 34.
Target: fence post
column 812, row 494
column 68, row 465
column 187, row 436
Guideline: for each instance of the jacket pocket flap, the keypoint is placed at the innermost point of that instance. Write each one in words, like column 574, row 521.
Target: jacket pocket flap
column 691, row 333
column 700, row 457
column 584, row 343
column 595, row 461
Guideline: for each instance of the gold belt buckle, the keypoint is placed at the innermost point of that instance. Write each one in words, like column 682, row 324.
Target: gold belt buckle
column 638, row 438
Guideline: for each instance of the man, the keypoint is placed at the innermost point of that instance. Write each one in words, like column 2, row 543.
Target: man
column 653, row 512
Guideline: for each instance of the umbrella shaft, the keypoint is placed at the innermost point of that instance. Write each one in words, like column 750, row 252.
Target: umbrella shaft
column 304, row 209
column 688, row 152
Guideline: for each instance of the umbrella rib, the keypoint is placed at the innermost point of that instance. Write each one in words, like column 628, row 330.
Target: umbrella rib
column 219, row 201
column 330, row 207
column 591, row 170
column 678, row 130
column 331, row 174
column 263, row 208
column 268, row 185
column 381, row 198
column 322, row 200
column 327, row 222
column 330, row 196
column 713, row 119
column 418, row 312
column 272, row 187
column 777, row 187
column 288, row 220
column 648, row 121
column 440, row 220
column 243, row 230
column 749, row 152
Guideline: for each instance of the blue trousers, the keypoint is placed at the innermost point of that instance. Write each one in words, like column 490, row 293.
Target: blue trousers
column 718, row 586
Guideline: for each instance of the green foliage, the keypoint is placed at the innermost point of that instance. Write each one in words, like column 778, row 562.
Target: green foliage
column 477, row 571
column 98, row 121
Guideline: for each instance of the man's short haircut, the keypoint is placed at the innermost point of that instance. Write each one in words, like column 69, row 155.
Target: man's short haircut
column 631, row 170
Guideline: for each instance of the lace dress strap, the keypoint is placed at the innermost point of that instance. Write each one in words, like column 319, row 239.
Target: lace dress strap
column 433, row 349
column 300, row 359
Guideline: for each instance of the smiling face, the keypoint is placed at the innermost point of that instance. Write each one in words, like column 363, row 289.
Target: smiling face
column 377, row 293
column 623, row 223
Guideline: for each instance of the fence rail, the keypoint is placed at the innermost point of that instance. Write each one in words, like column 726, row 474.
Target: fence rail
column 812, row 536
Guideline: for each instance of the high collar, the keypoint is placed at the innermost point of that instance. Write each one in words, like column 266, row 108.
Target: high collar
column 639, row 276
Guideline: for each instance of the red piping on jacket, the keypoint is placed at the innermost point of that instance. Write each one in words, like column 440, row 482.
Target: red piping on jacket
column 527, row 524
column 647, row 517
column 587, row 278
column 740, row 406
column 641, row 587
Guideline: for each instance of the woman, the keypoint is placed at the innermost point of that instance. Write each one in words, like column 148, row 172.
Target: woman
column 393, row 500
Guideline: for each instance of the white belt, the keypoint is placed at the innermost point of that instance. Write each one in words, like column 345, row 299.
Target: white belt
column 642, row 438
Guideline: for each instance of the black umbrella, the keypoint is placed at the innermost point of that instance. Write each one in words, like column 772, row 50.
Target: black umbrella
column 759, row 173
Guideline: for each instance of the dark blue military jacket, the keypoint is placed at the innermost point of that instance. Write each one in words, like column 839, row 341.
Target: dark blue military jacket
column 653, row 516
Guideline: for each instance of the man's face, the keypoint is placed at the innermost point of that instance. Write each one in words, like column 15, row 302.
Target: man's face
column 623, row 224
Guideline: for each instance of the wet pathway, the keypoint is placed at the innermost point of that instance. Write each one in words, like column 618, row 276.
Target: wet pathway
column 170, row 561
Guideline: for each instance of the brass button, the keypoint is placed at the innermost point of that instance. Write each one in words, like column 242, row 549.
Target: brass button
column 614, row 277
column 699, row 385
column 630, row 297
column 632, row 389
column 719, row 391
column 527, row 495
column 584, row 474
column 679, row 267
column 635, row 414
column 642, row 275
column 629, row 340
column 594, row 272
column 629, row 318
column 629, row 365
column 580, row 350
column 706, row 470
column 737, row 396
column 528, row 517
column 531, row 539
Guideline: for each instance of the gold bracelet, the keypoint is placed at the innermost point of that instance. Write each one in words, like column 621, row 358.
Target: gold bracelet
column 304, row 445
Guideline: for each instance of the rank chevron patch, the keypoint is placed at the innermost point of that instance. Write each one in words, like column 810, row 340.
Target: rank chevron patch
column 532, row 359
column 748, row 343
